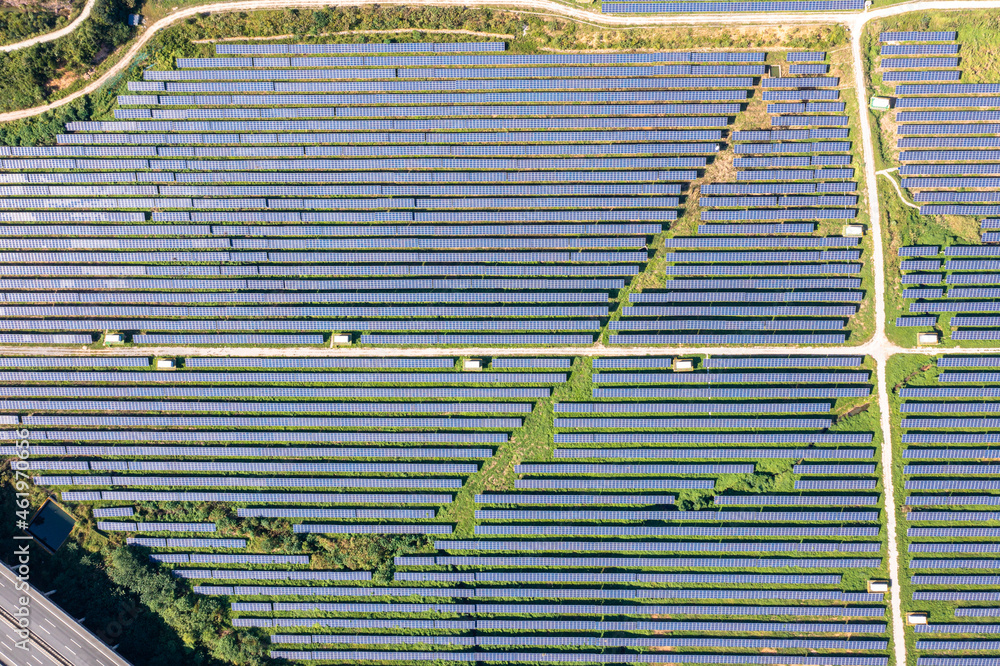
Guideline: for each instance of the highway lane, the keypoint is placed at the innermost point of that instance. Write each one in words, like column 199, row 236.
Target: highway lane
column 52, row 629
column 13, row 656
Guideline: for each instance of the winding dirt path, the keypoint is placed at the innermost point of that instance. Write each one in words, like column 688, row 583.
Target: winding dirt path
column 895, row 184
column 55, row 34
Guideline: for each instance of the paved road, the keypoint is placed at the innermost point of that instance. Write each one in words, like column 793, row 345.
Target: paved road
column 51, row 626
column 55, row 34
column 12, row 656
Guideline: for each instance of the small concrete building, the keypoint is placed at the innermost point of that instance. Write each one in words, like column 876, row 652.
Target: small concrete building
column 880, row 104
column 928, row 338
column 878, row 586
column 472, row 364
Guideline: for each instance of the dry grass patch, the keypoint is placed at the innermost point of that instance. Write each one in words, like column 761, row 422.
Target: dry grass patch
column 66, row 79
column 965, row 227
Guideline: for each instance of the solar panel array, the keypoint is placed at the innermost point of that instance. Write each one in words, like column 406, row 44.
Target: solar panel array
column 691, row 6
column 569, row 524
column 949, row 291
column 128, row 483
column 947, row 173
column 515, row 520
column 950, row 498
column 917, row 36
column 765, row 207
column 316, row 192
column 572, row 525
column 344, row 225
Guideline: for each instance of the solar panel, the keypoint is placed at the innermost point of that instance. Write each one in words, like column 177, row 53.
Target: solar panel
column 574, row 499
column 925, row 75
column 513, row 362
column 74, row 362
column 968, row 362
column 260, row 497
column 779, row 362
column 732, row 377
column 910, row 322
column 246, row 482
column 568, row 562
column 598, row 626
column 690, row 407
column 714, row 453
column 366, row 639
column 919, row 49
column 917, row 63
column 691, row 7
column 806, row 56
column 919, row 251
column 371, row 529
column 424, row 47
column 256, row 362
column 917, row 36
column 113, row 512
column 613, row 484
column 221, row 339
column 808, row 69
column 293, row 377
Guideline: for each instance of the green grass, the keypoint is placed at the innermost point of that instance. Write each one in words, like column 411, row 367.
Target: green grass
column 920, row 370
column 907, row 370
column 979, row 37
column 32, row 19
column 533, row 441
column 861, row 326
column 904, row 226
